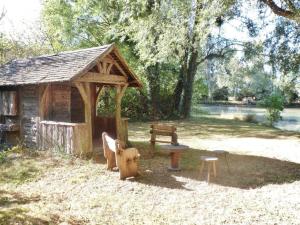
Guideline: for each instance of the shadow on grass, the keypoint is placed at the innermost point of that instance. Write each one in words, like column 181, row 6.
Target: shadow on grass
column 10, row 213
column 205, row 127
column 12, row 198
column 14, row 216
column 13, row 211
column 246, row 172
column 153, row 172
column 19, row 216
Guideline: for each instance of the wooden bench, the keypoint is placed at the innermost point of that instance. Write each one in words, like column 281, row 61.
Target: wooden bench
column 116, row 156
column 162, row 130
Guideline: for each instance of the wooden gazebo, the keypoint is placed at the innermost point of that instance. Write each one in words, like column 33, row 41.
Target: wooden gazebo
column 50, row 101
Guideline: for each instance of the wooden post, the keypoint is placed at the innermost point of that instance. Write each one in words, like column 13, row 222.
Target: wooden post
column 120, row 92
column 43, row 108
column 93, row 106
column 85, row 92
column 43, row 112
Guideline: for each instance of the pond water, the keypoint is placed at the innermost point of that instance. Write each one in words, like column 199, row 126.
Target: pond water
column 290, row 116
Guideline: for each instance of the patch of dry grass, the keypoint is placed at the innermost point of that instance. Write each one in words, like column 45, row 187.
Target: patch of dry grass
column 56, row 190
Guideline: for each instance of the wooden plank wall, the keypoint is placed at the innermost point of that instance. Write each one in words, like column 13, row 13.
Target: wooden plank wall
column 9, row 103
column 63, row 137
column 108, row 125
column 105, row 124
column 61, row 103
column 29, row 107
column 77, row 106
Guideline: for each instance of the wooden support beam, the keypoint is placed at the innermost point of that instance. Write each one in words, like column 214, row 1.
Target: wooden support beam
column 105, row 65
column 43, row 108
column 109, row 68
column 93, row 105
column 116, row 64
column 120, row 90
column 85, row 92
column 102, row 78
column 100, row 88
column 99, row 65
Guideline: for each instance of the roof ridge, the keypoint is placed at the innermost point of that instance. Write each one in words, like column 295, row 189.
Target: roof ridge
column 84, row 49
column 60, row 53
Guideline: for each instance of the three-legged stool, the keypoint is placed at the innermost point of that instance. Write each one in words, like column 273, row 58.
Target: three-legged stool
column 224, row 154
column 211, row 164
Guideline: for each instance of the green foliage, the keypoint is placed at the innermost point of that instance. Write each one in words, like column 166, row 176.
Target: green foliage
column 164, row 34
column 200, row 90
column 135, row 104
column 275, row 105
column 4, row 151
column 221, row 94
column 106, row 104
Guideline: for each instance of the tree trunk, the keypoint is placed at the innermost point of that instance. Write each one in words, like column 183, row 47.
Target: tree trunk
column 178, row 91
column 190, row 60
column 188, row 85
column 154, row 86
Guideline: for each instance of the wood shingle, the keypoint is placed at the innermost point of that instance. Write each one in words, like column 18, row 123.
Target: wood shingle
column 59, row 67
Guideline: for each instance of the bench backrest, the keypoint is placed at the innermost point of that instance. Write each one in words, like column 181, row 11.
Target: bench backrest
column 108, row 142
column 163, row 128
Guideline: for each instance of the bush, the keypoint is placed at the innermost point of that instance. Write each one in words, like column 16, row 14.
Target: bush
column 200, row 91
column 275, row 105
column 221, row 94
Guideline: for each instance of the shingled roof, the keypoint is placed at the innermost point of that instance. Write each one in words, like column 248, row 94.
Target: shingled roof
column 60, row 67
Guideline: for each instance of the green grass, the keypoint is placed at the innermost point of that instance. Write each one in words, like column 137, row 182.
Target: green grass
column 40, row 189
column 22, row 166
column 206, row 127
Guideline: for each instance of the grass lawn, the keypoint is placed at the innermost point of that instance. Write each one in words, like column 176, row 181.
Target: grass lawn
column 262, row 187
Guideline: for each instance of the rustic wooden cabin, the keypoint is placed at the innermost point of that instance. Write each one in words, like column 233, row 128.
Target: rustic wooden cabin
column 50, row 101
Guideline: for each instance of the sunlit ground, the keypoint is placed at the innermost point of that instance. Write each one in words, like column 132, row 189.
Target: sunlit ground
column 239, row 137
column 260, row 187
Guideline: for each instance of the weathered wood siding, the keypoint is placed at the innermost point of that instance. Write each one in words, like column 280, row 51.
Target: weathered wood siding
column 108, row 125
column 65, row 137
column 29, row 116
column 9, row 103
column 77, row 106
column 61, row 103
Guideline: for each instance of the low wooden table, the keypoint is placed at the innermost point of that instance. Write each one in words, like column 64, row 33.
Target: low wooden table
column 175, row 153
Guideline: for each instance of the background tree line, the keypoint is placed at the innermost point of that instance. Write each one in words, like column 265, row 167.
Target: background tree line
column 178, row 48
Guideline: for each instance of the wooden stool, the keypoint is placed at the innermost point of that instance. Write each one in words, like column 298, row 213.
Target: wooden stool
column 211, row 162
column 220, row 153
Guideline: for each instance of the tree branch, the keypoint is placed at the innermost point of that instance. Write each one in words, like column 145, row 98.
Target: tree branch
column 292, row 15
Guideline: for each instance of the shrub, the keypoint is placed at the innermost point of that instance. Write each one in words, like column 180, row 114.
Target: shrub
column 221, row 94
column 274, row 105
column 200, row 91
